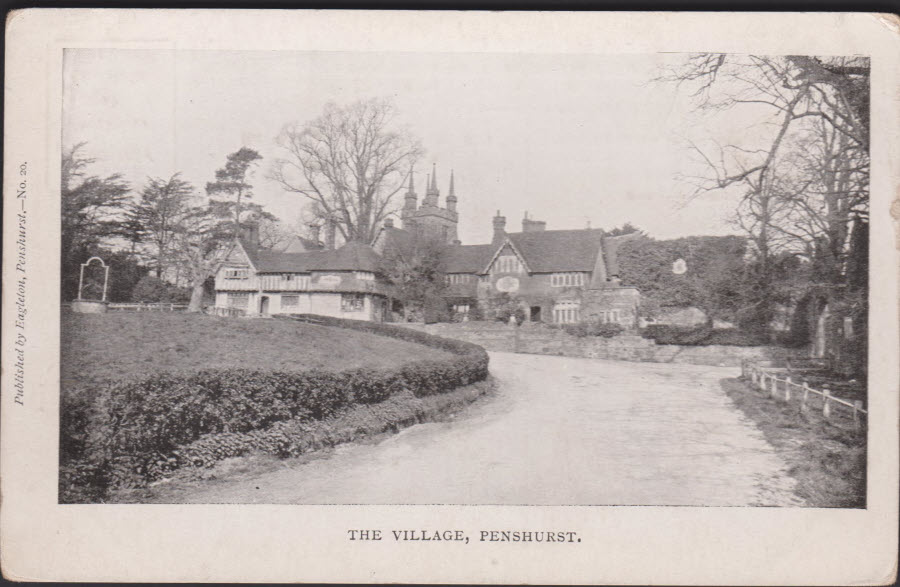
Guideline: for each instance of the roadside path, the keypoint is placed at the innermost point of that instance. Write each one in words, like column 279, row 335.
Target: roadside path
column 559, row 431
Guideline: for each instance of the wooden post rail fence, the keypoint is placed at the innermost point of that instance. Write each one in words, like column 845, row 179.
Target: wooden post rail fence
column 783, row 389
column 148, row 307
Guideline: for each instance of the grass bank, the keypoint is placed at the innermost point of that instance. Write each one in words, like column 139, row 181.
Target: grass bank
column 96, row 348
column 827, row 460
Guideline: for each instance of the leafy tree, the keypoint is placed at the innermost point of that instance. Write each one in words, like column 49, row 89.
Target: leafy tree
column 232, row 182
column 91, row 207
column 712, row 278
column 201, row 242
column 350, row 162
column 150, row 289
column 158, row 213
column 626, row 228
column 413, row 263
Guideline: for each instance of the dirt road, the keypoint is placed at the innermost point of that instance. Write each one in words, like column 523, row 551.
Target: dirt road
column 559, row 431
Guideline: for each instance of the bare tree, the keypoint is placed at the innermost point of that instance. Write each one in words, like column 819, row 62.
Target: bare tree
column 350, row 162
column 201, row 242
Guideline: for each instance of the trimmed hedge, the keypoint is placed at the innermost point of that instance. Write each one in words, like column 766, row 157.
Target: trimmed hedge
column 129, row 432
column 701, row 336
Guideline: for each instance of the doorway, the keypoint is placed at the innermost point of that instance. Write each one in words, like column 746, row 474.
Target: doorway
column 264, row 305
column 535, row 313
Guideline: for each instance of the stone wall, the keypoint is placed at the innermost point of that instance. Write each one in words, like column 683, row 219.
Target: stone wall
column 536, row 339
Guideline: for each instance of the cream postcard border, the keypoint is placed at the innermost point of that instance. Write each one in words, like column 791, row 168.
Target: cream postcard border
column 41, row 540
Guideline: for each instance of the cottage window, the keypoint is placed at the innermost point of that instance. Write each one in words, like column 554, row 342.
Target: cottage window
column 235, row 274
column 566, row 312
column 238, row 300
column 461, row 308
column 364, row 275
column 290, row 301
column 507, row 264
column 575, row 278
column 459, row 278
column 352, row 302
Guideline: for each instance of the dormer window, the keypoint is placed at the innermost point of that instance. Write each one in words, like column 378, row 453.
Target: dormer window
column 239, row 273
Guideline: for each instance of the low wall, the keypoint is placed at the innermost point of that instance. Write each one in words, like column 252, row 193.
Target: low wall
column 496, row 336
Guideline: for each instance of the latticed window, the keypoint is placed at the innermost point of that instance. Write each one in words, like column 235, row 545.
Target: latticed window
column 238, row 300
column 459, row 278
column 352, row 302
column 236, row 273
column 566, row 312
column 572, row 278
column 507, row 264
column 364, row 275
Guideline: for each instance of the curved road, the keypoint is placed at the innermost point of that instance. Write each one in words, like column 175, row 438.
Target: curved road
column 559, row 431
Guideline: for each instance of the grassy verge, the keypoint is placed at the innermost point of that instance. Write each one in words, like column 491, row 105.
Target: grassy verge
column 366, row 423
column 827, row 460
column 96, row 348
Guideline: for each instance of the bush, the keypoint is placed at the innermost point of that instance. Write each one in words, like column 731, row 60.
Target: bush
column 150, row 289
column 129, row 432
column 701, row 336
column 603, row 329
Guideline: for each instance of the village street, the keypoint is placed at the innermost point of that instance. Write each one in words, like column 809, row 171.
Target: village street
column 559, row 431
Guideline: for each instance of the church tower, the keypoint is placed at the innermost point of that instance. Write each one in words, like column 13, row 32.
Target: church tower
column 430, row 218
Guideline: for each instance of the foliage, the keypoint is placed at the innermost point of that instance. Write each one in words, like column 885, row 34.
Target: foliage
column 232, row 182
column 156, row 216
column 150, row 289
column 626, row 228
column 601, row 329
column 349, row 162
column 701, row 336
column 91, row 207
column 714, row 281
column 414, row 266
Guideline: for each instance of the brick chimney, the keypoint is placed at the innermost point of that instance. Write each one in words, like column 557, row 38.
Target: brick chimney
column 250, row 233
column 532, row 225
column 389, row 223
column 314, row 232
column 330, row 232
column 499, row 229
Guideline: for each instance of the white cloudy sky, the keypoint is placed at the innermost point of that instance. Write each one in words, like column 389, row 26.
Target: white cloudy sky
column 570, row 139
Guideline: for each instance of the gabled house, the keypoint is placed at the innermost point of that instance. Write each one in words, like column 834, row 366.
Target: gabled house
column 332, row 282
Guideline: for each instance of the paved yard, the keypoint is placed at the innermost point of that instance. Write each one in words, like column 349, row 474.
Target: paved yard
column 559, row 431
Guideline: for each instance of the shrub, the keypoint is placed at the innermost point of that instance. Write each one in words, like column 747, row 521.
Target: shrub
column 701, row 336
column 603, row 329
column 150, row 289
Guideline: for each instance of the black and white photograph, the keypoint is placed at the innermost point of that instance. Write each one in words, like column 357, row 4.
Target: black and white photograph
column 455, row 297
column 310, row 278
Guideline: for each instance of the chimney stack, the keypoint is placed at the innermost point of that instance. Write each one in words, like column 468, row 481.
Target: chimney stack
column 499, row 229
column 330, row 230
column 250, row 233
column 314, row 232
column 389, row 223
column 532, row 225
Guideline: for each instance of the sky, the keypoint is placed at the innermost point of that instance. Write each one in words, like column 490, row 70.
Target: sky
column 571, row 139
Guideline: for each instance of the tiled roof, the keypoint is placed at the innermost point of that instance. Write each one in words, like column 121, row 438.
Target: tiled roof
column 350, row 257
column 611, row 246
column 468, row 258
column 551, row 251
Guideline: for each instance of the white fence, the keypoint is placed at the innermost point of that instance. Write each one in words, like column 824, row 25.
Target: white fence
column 786, row 389
column 150, row 307
column 226, row 312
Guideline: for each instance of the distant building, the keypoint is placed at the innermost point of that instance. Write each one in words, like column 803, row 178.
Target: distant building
column 559, row 276
column 315, row 280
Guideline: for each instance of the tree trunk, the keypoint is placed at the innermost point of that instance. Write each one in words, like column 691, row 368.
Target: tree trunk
column 196, row 303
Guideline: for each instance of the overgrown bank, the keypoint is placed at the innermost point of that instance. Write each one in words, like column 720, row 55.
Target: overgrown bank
column 828, row 461
column 127, row 433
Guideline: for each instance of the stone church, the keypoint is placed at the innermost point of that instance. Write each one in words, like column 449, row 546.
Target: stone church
column 555, row 276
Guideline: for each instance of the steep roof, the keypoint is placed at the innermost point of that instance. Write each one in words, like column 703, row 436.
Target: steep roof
column 611, row 246
column 350, row 257
column 468, row 258
column 551, row 251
